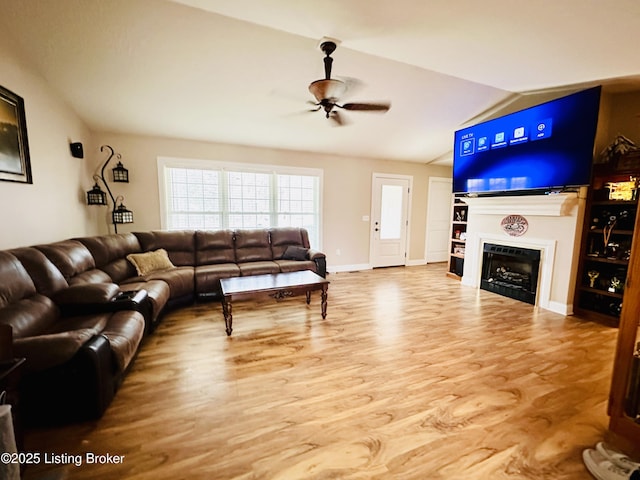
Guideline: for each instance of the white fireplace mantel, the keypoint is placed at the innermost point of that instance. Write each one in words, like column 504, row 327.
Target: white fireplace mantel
column 553, row 205
column 554, row 227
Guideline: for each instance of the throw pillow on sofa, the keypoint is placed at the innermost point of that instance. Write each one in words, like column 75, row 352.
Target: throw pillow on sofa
column 295, row 253
column 150, row 262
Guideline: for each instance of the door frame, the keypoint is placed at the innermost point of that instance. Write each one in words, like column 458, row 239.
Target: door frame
column 374, row 177
column 429, row 207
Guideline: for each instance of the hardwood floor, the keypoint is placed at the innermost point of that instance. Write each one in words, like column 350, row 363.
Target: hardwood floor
column 411, row 376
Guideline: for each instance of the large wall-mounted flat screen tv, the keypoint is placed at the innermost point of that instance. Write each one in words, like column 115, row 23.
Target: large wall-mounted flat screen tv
column 542, row 148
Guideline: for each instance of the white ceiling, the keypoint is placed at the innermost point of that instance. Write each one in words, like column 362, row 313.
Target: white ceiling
column 237, row 71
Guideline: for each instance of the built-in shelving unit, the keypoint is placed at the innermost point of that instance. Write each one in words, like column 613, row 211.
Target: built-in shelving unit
column 608, row 287
column 457, row 238
column 607, row 237
column 605, row 253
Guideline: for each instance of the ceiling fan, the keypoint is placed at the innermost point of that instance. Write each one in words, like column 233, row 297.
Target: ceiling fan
column 328, row 91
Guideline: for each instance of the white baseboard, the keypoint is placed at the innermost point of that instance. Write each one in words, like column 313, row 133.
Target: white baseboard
column 348, row 268
column 367, row 266
column 415, row 263
column 561, row 308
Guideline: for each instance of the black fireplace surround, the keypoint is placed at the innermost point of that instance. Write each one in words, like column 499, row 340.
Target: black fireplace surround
column 510, row 271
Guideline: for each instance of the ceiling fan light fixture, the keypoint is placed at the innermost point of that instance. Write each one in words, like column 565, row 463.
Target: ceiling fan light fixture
column 327, row 89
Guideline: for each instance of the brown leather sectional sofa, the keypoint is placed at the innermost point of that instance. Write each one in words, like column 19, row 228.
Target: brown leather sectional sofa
column 80, row 309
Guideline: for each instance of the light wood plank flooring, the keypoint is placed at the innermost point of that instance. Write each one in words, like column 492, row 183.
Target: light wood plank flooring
column 411, row 376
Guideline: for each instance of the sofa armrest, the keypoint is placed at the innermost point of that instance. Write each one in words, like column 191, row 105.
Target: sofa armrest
column 320, row 260
column 86, row 294
column 97, row 357
column 313, row 254
column 46, row 351
column 90, row 298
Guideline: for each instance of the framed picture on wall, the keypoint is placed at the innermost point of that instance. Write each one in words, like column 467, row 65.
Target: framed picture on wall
column 15, row 164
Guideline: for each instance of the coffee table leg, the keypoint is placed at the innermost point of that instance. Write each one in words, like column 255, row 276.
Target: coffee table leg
column 308, row 297
column 228, row 317
column 323, row 296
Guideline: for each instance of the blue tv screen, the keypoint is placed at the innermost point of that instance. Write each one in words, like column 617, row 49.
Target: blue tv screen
column 549, row 146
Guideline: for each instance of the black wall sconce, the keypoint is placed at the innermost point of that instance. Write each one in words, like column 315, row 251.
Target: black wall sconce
column 96, row 196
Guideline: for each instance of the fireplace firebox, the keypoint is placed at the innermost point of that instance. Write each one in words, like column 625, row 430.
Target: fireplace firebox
column 510, row 271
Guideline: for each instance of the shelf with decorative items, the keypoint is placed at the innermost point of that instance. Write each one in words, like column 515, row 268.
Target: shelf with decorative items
column 609, row 228
column 606, row 256
column 457, row 238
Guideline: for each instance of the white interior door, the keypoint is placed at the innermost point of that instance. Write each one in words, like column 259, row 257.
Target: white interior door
column 389, row 220
column 438, row 220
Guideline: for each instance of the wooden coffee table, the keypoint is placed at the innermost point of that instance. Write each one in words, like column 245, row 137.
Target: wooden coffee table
column 278, row 285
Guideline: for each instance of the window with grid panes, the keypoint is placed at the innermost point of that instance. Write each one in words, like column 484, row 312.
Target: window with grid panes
column 200, row 196
column 194, row 199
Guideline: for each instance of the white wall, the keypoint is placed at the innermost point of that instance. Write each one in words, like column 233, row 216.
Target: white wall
column 52, row 208
column 346, row 196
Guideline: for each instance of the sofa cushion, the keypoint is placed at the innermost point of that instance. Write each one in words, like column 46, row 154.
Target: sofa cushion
column 30, row 316
column 296, row 265
column 21, row 307
column 294, row 252
column 252, row 246
column 75, row 262
column 70, row 256
column 15, row 282
column 150, row 262
column 180, row 245
column 45, row 275
column 258, row 268
column 107, row 248
column 214, row 247
column 208, row 276
column 179, row 279
column 284, row 237
column 110, row 251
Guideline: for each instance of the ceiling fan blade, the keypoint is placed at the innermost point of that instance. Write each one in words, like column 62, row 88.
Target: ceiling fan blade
column 368, row 107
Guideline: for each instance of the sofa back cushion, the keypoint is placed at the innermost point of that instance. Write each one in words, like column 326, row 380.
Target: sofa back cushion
column 28, row 312
column 284, row 237
column 110, row 254
column 252, row 245
column 214, row 247
column 75, row 262
column 45, row 275
column 180, row 245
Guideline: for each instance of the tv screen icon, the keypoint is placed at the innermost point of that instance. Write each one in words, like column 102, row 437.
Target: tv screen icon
column 499, row 140
column 467, row 147
column 542, row 129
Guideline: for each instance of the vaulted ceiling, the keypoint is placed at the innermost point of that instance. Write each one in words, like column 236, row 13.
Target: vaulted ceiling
column 237, row 71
